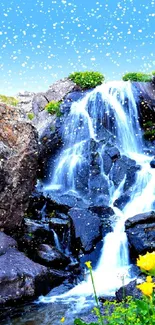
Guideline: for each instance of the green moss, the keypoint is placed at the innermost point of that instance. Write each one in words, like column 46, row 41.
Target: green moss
column 149, row 134
column 30, row 116
column 8, row 100
column 137, row 76
column 87, row 79
column 53, row 108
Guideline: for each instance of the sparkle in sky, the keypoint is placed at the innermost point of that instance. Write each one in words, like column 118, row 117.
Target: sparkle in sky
column 43, row 41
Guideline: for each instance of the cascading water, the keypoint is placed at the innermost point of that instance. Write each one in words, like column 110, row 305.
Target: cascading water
column 108, row 110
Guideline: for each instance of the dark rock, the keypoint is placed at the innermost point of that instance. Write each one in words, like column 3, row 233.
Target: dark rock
column 107, row 163
column 6, row 242
column 140, row 231
column 19, row 276
column 50, row 256
column 121, row 167
column 18, row 168
column 87, row 227
column 65, row 202
column 152, row 163
column 122, row 201
column 128, row 290
column 113, row 152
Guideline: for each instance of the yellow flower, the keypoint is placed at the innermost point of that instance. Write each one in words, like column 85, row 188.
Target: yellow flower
column 62, row 319
column 149, row 279
column 88, row 264
column 146, row 288
column 147, row 263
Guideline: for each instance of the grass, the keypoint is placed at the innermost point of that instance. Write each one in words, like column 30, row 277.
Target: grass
column 87, row 79
column 30, row 116
column 8, row 100
column 137, row 76
column 53, row 108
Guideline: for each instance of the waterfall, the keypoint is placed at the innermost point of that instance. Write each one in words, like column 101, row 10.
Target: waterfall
column 109, row 111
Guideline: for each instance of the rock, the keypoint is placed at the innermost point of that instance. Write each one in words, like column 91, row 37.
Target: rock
column 6, row 242
column 39, row 102
column 121, row 167
column 60, row 89
column 145, row 91
column 140, row 231
column 18, row 166
column 128, row 290
column 25, row 103
column 105, row 214
column 50, row 256
column 113, row 152
column 152, row 163
column 20, row 277
column 87, row 227
column 122, row 201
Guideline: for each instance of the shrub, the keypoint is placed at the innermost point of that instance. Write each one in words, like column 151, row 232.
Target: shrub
column 153, row 73
column 87, row 79
column 30, row 116
column 8, row 100
column 149, row 134
column 53, row 108
column 137, row 76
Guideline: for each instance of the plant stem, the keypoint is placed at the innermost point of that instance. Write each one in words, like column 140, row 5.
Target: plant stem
column 96, row 298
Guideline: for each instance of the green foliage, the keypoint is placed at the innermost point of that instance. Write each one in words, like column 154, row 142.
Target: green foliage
column 8, row 100
column 53, row 108
column 137, row 76
column 87, row 79
column 153, row 73
column 149, row 134
column 30, row 116
column 148, row 124
column 80, row 322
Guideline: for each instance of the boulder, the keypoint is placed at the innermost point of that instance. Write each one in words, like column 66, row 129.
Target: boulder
column 18, row 166
column 51, row 256
column 121, row 167
column 128, row 290
column 21, row 278
column 140, row 231
column 152, row 163
column 86, row 226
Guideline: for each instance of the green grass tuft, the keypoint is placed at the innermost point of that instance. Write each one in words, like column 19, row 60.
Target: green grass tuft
column 137, row 76
column 53, row 108
column 8, row 100
column 87, row 79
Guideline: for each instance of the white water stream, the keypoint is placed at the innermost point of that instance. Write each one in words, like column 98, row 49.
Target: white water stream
column 116, row 105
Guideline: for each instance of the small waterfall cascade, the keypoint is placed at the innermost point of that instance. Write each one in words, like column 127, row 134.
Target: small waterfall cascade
column 110, row 112
column 56, row 240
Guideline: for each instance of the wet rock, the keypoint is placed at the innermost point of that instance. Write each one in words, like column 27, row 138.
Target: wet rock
column 128, row 290
column 50, row 256
column 87, row 227
column 121, row 167
column 18, row 167
column 140, row 231
column 152, row 163
column 105, row 214
column 113, row 152
column 107, row 163
column 122, row 201
column 65, row 202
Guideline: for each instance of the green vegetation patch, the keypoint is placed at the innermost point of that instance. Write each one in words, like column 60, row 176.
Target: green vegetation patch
column 87, row 79
column 149, row 135
column 153, row 73
column 8, row 100
column 30, row 116
column 53, row 108
column 137, row 76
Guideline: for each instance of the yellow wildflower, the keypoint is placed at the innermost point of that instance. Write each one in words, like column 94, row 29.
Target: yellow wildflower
column 149, row 279
column 88, row 264
column 62, row 319
column 147, row 263
column 146, row 288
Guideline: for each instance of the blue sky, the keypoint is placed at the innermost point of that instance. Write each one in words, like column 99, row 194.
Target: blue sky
column 42, row 41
